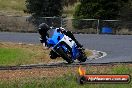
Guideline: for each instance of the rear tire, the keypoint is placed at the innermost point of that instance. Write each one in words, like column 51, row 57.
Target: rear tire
column 64, row 55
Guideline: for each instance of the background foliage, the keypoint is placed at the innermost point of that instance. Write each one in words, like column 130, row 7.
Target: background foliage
column 45, row 8
column 99, row 9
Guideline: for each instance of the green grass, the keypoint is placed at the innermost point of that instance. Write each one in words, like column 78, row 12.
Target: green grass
column 68, row 81
column 10, row 56
column 122, row 69
column 12, row 5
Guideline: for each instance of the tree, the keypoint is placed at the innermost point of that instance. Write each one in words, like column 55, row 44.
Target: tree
column 44, row 8
column 126, row 11
column 126, row 16
column 99, row 9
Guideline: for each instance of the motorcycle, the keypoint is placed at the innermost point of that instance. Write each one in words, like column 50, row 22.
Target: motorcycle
column 63, row 46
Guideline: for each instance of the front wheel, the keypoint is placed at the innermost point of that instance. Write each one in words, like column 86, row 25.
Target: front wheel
column 64, row 55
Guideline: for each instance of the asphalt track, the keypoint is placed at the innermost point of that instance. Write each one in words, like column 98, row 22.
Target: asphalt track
column 117, row 47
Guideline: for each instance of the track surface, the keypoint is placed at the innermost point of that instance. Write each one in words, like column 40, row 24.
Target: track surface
column 118, row 47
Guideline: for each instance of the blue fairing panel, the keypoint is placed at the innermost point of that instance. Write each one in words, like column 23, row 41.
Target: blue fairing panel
column 50, row 41
column 54, row 39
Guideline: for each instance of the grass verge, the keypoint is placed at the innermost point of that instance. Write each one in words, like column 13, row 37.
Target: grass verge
column 19, row 54
column 13, row 56
column 65, row 77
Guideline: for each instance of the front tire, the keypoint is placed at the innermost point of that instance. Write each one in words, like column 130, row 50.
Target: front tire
column 64, row 55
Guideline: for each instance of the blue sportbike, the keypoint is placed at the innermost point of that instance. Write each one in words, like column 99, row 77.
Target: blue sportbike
column 63, row 46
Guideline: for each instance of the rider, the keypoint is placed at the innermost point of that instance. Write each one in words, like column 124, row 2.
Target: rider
column 43, row 28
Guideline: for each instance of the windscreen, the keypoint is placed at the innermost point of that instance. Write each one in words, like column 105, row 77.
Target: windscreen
column 51, row 32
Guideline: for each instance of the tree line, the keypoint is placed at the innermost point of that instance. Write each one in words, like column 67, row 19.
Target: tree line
column 90, row 9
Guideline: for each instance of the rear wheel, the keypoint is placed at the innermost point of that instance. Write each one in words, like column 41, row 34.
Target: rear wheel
column 64, row 55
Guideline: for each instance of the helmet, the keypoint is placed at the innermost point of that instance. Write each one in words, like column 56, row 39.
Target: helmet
column 43, row 28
